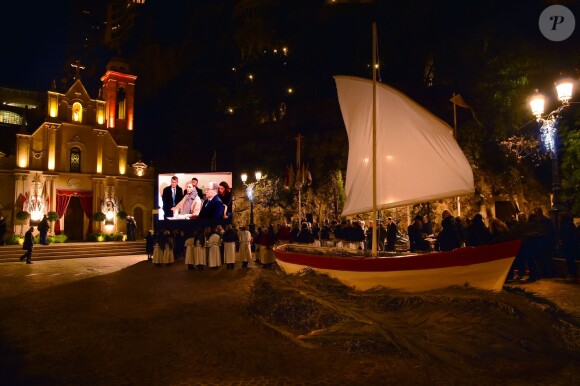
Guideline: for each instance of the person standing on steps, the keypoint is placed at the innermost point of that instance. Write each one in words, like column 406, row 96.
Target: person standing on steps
column 28, row 245
column 2, row 229
column 43, row 228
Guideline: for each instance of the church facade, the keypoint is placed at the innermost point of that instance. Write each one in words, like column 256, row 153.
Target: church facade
column 78, row 162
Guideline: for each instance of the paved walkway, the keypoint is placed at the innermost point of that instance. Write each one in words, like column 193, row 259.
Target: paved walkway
column 123, row 321
column 563, row 293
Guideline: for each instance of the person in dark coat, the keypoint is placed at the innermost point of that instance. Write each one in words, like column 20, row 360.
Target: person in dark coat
column 131, row 228
column 305, row 235
column 326, row 234
column 149, row 243
column 43, row 228
column 427, row 228
column 416, row 240
column 477, row 233
column 545, row 240
column 461, row 230
column 179, row 249
column 339, row 232
column 28, row 246
column 392, row 233
column 497, row 229
column 213, row 207
column 2, row 229
column 448, row 239
column 294, row 233
column 171, row 196
column 569, row 241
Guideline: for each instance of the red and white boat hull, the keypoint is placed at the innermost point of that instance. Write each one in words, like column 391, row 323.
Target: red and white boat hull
column 485, row 267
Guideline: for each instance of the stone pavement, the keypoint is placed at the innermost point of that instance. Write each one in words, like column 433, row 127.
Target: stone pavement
column 122, row 321
column 565, row 294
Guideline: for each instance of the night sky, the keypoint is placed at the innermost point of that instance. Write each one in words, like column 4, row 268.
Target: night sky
column 34, row 43
column 186, row 50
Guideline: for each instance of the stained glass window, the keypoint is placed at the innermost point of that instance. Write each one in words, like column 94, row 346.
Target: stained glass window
column 75, row 159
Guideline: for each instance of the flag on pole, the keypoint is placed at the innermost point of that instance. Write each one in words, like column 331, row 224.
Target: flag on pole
column 289, row 177
column 458, row 100
column 308, row 175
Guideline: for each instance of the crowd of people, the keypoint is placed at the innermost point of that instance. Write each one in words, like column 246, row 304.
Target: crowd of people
column 212, row 247
column 215, row 246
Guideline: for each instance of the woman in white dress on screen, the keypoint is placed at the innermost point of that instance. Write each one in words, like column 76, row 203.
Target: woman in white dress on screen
column 189, row 251
column 190, row 205
column 213, row 245
column 245, row 246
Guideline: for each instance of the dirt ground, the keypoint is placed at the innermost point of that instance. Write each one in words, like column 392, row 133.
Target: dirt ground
column 123, row 321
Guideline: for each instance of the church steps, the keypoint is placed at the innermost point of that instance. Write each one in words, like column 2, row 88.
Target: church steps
column 11, row 253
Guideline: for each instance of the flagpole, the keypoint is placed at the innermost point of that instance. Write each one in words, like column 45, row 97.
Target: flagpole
column 299, row 172
column 458, row 203
column 454, row 117
column 375, row 225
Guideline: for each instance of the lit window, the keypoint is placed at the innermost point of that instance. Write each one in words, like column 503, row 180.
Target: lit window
column 75, row 159
column 121, row 103
column 77, row 112
column 10, row 117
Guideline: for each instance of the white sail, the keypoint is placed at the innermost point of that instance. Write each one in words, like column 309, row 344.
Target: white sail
column 418, row 160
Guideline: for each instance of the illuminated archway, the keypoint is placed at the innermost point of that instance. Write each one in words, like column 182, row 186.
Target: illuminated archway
column 77, row 112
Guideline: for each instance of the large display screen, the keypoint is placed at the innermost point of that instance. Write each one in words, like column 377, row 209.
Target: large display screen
column 203, row 180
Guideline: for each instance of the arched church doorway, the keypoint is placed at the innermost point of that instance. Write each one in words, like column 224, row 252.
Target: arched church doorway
column 74, row 220
column 138, row 214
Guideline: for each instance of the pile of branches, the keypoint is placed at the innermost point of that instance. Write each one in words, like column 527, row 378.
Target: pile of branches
column 454, row 325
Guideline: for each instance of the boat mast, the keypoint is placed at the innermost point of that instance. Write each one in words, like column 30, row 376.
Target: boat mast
column 299, row 183
column 375, row 222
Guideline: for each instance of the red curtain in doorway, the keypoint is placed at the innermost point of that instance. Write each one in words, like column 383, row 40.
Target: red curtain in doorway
column 87, row 205
column 62, row 200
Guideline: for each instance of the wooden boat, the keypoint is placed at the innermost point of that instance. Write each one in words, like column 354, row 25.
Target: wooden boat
column 400, row 154
column 484, row 267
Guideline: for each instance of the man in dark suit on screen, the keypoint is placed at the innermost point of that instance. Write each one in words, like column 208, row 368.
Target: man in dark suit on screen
column 171, row 196
column 213, row 207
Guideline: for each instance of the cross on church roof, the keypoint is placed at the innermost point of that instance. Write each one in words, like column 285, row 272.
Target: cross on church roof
column 78, row 67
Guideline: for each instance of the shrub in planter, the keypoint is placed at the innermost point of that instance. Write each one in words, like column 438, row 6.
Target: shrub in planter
column 62, row 238
column 99, row 216
column 96, row 236
column 22, row 215
column 16, row 240
column 114, row 237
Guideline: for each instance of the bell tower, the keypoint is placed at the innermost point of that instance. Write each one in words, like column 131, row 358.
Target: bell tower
column 118, row 92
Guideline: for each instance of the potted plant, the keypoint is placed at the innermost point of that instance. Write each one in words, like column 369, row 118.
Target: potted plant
column 122, row 215
column 99, row 217
column 52, row 217
column 22, row 217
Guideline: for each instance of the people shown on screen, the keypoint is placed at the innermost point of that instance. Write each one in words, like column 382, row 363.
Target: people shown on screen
column 171, row 196
column 195, row 183
column 213, row 207
column 225, row 194
column 190, row 205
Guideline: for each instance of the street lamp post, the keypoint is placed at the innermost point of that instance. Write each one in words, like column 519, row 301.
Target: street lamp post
column 250, row 195
column 549, row 133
